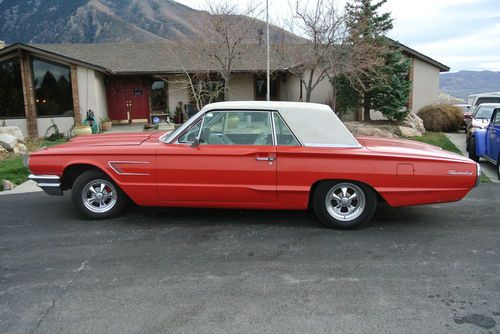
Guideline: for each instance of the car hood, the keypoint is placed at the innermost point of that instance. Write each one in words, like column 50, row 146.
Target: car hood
column 113, row 139
column 409, row 148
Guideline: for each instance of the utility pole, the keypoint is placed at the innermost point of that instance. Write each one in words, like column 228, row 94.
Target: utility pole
column 268, row 79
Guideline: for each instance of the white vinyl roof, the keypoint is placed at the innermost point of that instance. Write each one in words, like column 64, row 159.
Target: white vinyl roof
column 313, row 124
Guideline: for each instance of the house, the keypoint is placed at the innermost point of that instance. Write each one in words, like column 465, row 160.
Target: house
column 136, row 82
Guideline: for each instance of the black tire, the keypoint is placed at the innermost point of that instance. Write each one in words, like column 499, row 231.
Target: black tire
column 472, row 150
column 113, row 198
column 498, row 167
column 327, row 214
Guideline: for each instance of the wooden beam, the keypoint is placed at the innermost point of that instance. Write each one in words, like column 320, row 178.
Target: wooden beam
column 28, row 95
column 74, row 92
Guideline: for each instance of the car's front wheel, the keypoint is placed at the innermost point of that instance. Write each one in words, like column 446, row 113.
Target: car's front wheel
column 498, row 167
column 344, row 204
column 472, row 150
column 96, row 196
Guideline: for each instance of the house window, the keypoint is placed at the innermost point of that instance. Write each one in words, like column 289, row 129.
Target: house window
column 52, row 83
column 159, row 95
column 260, row 88
column 11, row 92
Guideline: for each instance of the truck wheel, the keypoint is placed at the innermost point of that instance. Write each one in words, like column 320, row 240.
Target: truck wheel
column 96, row 196
column 344, row 204
column 472, row 150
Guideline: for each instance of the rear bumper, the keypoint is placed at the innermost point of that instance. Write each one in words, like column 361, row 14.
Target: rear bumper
column 51, row 184
column 478, row 174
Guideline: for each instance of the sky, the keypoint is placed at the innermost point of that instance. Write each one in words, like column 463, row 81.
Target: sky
column 462, row 34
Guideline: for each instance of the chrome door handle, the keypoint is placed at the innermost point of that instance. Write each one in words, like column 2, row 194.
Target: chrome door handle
column 265, row 158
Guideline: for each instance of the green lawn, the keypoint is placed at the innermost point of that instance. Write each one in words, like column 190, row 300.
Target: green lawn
column 439, row 139
column 12, row 168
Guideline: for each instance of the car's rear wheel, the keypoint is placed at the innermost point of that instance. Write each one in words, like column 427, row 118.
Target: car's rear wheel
column 96, row 196
column 472, row 150
column 344, row 204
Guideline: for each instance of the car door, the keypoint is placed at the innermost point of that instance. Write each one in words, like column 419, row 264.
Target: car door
column 226, row 157
column 493, row 140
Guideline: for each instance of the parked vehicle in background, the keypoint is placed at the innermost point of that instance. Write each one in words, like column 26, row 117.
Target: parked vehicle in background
column 254, row 155
column 476, row 99
column 480, row 118
column 466, row 109
column 485, row 143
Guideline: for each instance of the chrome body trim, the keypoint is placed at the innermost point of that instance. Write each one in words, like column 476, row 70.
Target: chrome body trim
column 275, row 135
column 110, row 164
column 478, row 175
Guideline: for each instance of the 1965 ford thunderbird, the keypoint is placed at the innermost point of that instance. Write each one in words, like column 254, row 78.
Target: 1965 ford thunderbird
column 256, row 155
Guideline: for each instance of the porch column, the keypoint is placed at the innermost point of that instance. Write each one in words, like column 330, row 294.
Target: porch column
column 74, row 92
column 411, row 74
column 28, row 95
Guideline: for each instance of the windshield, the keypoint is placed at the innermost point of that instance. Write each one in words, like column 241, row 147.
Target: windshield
column 484, row 113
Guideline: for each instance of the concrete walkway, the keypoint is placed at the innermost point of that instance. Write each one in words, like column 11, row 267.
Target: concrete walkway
column 488, row 168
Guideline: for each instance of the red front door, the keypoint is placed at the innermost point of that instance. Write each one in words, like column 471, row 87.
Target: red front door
column 216, row 173
column 128, row 99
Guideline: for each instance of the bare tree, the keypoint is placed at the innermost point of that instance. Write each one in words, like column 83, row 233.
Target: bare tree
column 332, row 50
column 228, row 27
column 322, row 24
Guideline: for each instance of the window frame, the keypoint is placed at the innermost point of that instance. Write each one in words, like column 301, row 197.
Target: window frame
column 273, row 113
column 55, row 63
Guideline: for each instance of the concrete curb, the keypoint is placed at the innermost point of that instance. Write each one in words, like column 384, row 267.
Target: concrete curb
column 26, row 187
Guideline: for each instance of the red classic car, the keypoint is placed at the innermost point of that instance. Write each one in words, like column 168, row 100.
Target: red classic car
column 254, row 155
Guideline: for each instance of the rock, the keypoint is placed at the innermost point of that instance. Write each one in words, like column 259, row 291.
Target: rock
column 414, row 122
column 7, row 185
column 14, row 131
column 8, row 141
column 20, row 149
column 408, row 132
column 371, row 131
column 3, row 153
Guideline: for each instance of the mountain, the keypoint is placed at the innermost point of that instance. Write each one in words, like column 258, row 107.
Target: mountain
column 97, row 21
column 463, row 83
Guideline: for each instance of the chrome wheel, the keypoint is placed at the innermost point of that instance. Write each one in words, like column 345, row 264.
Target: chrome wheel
column 99, row 196
column 345, row 201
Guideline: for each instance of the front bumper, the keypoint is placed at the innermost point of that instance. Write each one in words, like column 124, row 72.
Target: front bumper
column 51, row 184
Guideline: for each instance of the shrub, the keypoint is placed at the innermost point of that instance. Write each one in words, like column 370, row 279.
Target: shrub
column 441, row 117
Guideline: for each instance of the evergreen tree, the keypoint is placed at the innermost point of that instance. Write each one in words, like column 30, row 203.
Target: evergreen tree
column 390, row 96
column 384, row 87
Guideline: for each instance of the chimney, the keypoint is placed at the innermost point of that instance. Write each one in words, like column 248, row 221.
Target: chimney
column 2, row 44
column 261, row 36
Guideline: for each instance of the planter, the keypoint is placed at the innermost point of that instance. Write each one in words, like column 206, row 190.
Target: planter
column 83, row 130
column 106, row 126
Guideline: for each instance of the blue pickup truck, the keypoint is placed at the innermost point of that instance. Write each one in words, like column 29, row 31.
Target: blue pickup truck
column 485, row 143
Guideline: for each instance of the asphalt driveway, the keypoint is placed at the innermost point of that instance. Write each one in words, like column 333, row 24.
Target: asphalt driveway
column 428, row 269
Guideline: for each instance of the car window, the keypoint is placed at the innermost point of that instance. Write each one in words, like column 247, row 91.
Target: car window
column 497, row 116
column 284, row 136
column 237, row 128
column 487, row 100
column 484, row 113
column 190, row 135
